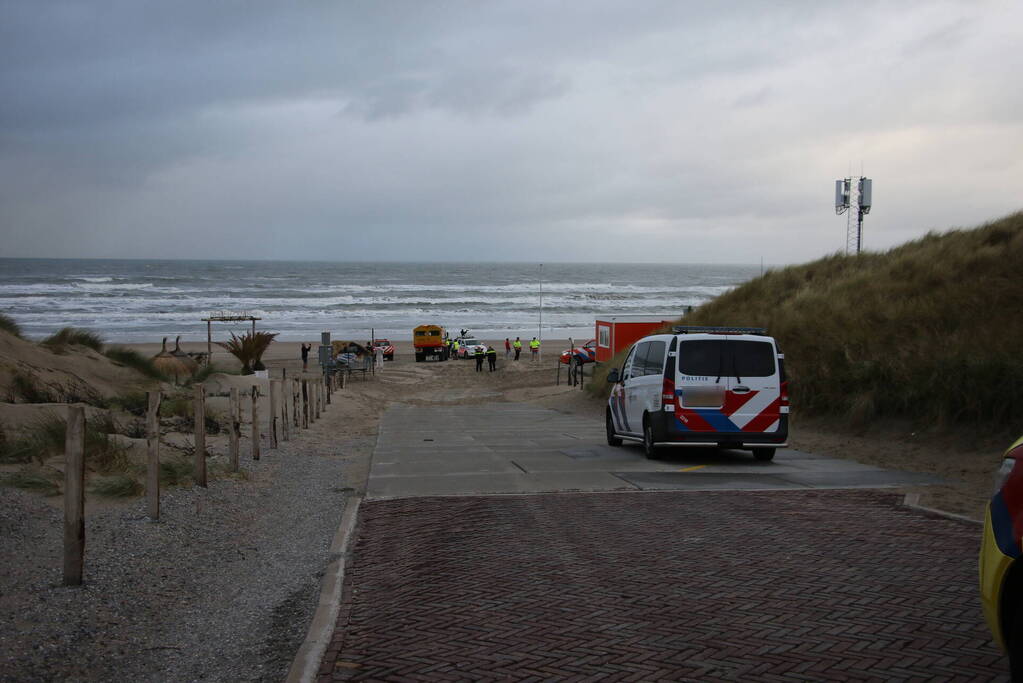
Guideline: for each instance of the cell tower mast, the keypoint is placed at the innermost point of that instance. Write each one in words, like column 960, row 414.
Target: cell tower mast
column 843, row 195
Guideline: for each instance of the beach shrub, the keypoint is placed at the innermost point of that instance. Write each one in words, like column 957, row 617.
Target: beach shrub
column 116, row 486
column 32, row 479
column 135, row 360
column 73, row 336
column 928, row 331
column 249, row 349
column 8, row 325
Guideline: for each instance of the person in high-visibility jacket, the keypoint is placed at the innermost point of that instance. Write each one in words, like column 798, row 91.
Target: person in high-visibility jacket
column 479, row 358
column 454, row 348
column 491, row 358
column 517, row 345
column 534, row 348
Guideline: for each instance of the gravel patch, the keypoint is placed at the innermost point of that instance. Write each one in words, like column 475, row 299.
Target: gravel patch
column 222, row 589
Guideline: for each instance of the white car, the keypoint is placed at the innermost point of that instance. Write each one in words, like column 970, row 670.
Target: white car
column 467, row 347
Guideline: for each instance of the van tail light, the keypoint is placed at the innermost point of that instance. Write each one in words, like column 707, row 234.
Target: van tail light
column 785, row 393
column 668, row 391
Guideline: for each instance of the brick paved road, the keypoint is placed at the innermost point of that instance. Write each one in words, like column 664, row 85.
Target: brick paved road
column 805, row 585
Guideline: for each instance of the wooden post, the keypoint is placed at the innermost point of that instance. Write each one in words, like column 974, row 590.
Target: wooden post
column 285, row 423
column 255, row 422
column 235, row 427
column 296, row 403
column 274, row 388
column 317, row 399
column 285, row 398
column 200, row 435
column 326, row 385
column 209, row 342
column 305, row 404
column 74, row 496
column 153, row 451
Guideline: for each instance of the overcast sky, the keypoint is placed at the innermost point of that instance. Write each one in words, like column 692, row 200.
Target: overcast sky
column 537, row 131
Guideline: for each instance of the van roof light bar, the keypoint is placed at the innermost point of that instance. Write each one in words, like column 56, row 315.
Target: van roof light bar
column 690, row 329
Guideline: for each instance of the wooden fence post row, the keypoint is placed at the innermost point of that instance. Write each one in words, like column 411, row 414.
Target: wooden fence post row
column 153, row 455
column 74, row 496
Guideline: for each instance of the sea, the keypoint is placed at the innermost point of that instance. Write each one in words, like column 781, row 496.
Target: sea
column 144, row 301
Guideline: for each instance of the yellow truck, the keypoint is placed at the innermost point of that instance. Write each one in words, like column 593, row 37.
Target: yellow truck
column 429, row 342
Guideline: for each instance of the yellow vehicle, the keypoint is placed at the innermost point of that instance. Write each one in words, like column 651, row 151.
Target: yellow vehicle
column 428, row 341
column 1001, row 571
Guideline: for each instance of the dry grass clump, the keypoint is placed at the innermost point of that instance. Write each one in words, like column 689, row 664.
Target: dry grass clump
column 72, row 336
column 46, row 437
column 135, row 360
column 8, row 325
column 175, row 472
column 929, row 330
column 26, row 387
column 116, row 486
column 32, row 479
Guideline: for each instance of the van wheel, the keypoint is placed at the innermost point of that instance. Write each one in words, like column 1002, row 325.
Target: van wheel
column 651, row 451
column 764, row 454
column 612, row 438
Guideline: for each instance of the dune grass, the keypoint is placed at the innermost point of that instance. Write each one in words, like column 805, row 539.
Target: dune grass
column 135, row 360
column 175, row 472
column 927, row 331
column 31, row 479
column 45, row 438
column 73, row 336
column 8, row 325
column 116, row 486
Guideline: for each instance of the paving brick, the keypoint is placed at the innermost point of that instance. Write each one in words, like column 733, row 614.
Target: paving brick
column 793, row 585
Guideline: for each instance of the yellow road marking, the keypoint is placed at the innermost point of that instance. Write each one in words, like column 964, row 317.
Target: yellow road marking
column 690, row 469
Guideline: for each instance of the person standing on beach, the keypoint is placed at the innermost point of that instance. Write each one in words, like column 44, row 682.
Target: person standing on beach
column 518, row 347
column 507, row 348
column 534, row 349
column 491, row 358
column 379, row 353
column 479, row 358
column 306, row 348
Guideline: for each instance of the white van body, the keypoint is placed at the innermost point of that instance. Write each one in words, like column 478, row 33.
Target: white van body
column 724, row 389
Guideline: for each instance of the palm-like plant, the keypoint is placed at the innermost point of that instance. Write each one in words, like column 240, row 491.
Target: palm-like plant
column 249, row 349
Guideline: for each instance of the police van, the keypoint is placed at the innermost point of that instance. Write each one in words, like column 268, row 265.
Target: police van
column 701, row 386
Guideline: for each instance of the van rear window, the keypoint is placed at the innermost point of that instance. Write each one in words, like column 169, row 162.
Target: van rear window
column 752, row 359
column 701, row 357
column 721, row 357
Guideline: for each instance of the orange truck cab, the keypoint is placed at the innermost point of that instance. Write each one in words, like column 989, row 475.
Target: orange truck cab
column 428, row 341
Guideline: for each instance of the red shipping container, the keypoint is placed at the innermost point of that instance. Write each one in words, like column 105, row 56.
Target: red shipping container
column 616, row 333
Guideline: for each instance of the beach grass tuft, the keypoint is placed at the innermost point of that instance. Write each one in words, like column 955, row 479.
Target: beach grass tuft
column 136, row 403
column 175, row 472
column 27, row 388
column 73, row 336
column 31, row 479
column 928, row 331
column 8, row 325
column 135, row 360
column 116, row 486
